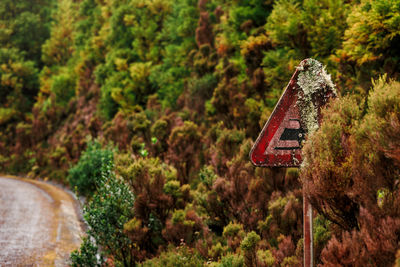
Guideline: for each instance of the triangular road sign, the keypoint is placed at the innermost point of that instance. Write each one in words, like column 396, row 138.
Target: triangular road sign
column 279, row 143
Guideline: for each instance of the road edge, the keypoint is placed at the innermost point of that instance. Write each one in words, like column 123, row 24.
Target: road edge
column 64, row 241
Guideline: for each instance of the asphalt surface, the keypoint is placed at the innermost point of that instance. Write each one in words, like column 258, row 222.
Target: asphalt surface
column 39, row 224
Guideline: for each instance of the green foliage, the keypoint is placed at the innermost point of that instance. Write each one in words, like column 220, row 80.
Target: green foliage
column 107, row 213
column 250, row 241
column 172, row 188
column 216, row 250
column 207, row 176
column 184, row 140
column 85, row 176
column 266, row 257
column 134, row 172
column 278, row 66
column 283, row 24
column 178, row 38
column 312, row 27
column 232, row 260
column 255, row 11
column 325, row 22
column 291, row 261
column 203, row 86
column 229, row 141
column 59, row 47
column 374, row 29
column 25, row 26
column 134, row 87
column 182, row 256
column 138, row 123
column 63, row 86
column 7, row 114
column 321, row 234
column 19, row 80
column 233, row 229
column 86, row 255
column 157, row 192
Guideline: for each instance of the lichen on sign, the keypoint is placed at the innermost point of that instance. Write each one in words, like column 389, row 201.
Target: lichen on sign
column 316, row 87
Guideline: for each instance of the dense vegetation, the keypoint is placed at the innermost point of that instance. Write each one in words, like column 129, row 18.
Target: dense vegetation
column 149, row 108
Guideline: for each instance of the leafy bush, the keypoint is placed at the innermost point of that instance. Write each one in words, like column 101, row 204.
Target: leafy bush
column 249, row 245
column 181, row 256
column 86, row 255
column 232, row 260
column 374, row 31
column 19, row 80
column 106, row 214
column 63, row 86
column 85, row 175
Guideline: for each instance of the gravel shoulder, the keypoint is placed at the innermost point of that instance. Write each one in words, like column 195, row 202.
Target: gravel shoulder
column 39, row 223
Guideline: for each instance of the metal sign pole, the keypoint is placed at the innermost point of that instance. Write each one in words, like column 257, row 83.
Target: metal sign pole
column 308, row 232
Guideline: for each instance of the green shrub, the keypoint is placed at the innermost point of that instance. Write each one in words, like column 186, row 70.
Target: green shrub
column 207, row 176
column 179, row 257
column 203, row 86
column 86, row 255
column 6, row 114
column 266, row 257
column 373, row 32
column 232, row 260
column 106, row 214
column 250, row 241
column 64, row 88
column 85, row 175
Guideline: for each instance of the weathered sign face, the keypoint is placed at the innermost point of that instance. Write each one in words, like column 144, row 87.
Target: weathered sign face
column 296, row 114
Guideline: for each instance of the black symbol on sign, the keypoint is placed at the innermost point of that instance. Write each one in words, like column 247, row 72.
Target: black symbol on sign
column 291, row 134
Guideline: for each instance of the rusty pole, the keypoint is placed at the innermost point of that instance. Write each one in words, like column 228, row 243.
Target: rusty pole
column 308, row 233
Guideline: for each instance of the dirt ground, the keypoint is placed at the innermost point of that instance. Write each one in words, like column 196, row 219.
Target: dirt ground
column 39, row 223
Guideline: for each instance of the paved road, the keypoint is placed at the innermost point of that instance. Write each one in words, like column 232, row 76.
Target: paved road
column 39, row 225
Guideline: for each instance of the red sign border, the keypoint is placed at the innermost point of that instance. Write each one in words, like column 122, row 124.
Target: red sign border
column 257, row 156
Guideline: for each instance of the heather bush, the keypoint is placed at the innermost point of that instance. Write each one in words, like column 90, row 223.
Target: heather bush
column 184, row 225
column 157, row 193
column 350, row 174
column 184, row 142
column 249, row 245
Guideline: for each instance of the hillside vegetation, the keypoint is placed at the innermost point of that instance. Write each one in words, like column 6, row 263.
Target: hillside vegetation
column 149, row 109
